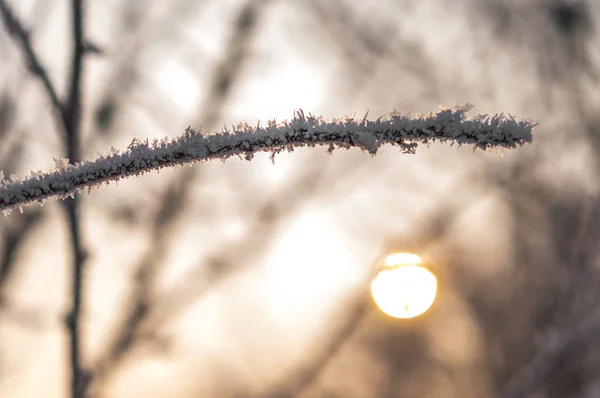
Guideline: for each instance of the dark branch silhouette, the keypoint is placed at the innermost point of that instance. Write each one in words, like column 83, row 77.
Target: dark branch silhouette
column 72, row 115
column 21, row 35
column 69, row 116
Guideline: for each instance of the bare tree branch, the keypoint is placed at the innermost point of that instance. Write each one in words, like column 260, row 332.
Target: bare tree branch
column 72, row 121
column 17, row 30
column 69, row 116
column 540, row 369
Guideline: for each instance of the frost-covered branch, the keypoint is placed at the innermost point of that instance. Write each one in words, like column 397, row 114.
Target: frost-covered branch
column 445, row 125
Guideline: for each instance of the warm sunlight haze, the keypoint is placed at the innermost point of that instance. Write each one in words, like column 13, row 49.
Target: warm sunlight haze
column 403, row 288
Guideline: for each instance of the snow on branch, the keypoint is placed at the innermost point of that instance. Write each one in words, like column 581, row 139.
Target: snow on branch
column 445, row 125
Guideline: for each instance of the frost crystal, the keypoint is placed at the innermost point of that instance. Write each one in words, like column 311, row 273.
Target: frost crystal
column 446, row 125
column 61, row 163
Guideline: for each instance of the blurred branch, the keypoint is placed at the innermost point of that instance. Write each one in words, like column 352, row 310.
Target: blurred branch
column 70, row 117
column 172, row 203
column 541, row 368
column 579, row 269
column 139, row 31
column 367, row 42
column 444, row 126
column 72, row 121
column 14, row 233
column 177, row 195
column 148, row 313
column 73, row 104
column 228, row 258
column 12, row 236
column 302, row 379
column 21, row 35
column 232, row 65
column 558, row 299
column 576, row 302
column 7, row 115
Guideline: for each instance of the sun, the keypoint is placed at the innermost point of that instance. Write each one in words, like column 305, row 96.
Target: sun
column 403, row 288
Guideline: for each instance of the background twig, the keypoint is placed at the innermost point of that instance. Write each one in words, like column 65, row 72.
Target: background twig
column 22, row 36
column 72, row 115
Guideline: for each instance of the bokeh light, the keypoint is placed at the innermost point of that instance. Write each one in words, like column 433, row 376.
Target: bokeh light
column 403, row 288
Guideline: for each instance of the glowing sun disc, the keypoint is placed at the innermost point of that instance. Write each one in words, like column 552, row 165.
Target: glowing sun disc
column 404, row 289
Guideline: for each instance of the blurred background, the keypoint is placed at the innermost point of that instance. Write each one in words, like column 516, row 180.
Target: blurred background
column 248, row 279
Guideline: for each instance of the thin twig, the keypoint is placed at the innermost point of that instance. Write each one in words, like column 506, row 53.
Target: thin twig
column 17, row 30
column 73, row 104
column 72, row 121
column 444, row 126
column 78, row 383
